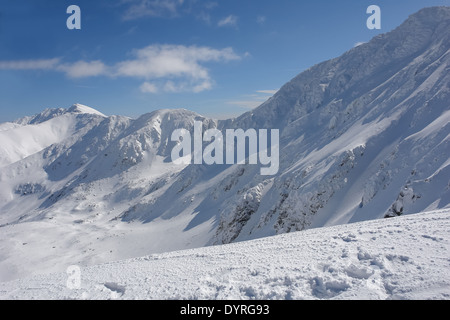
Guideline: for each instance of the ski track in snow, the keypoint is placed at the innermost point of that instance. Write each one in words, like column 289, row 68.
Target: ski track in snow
column 400, row 258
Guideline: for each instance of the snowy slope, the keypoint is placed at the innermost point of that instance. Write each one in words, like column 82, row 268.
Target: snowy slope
column 402, row 258
column 350, row 128
column 67, row 202
column 362, row 136
column 30, row 135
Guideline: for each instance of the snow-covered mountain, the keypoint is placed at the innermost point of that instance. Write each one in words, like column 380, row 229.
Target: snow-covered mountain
column 362, row 136
column 30, row 135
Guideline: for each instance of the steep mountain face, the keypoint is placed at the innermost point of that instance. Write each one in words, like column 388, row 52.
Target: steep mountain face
column 362, row 136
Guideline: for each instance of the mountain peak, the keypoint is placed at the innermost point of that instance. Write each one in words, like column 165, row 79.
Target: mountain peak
column 79, row 108
column 429, row 18
column 433, row 13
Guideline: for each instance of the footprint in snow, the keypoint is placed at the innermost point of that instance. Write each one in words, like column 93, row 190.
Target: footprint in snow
column 116, row 289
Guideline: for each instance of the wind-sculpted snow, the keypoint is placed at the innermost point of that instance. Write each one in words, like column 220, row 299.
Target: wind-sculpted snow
column 363, row 136
column 403, row 258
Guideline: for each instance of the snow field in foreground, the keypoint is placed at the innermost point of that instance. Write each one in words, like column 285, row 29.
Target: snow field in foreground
column 400, row 258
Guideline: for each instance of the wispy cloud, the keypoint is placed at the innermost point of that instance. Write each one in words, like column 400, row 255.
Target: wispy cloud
column 246, row 104
column 205, row 17
column 253, row 100
column 148, row 87
column 138, row 9
column 78, row 69
column 165, row 68
column 83, row 69
column 151, row 8
column 202, row 10
column 271, row 92
column 39, row 64
column 230, row 21
column 261, row 20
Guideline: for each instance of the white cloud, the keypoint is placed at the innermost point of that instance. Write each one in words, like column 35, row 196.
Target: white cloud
column 261, row 19
column 246, row 104
column 202, row 9
column 230, row 21
column 204, row 16
column 78, row 69
column 171, row 86
column 137, row 9
column 157, row 61
column 151, row 8
column 43, row 64
column 255, row 99
column 208, row 5
column 271, row 92
column 147, row 87
column 205, row 85
column 181, row 64
column 83, row 69
column 180, row 67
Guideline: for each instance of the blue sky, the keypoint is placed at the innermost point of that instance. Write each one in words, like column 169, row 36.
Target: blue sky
column 219, row 58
